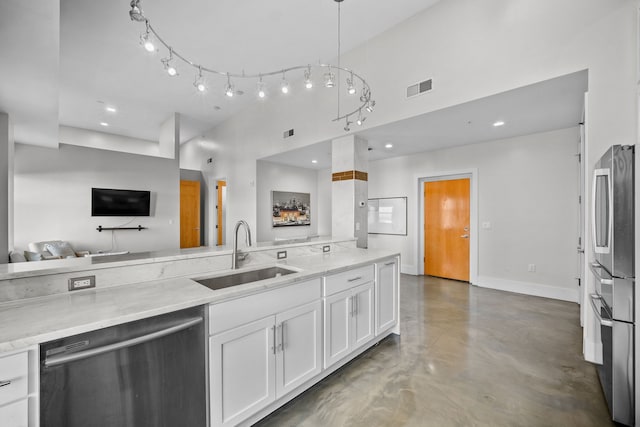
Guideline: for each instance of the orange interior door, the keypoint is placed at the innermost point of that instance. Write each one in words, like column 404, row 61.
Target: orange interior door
column 446, row 229
column 189, row 214
column 221, row 187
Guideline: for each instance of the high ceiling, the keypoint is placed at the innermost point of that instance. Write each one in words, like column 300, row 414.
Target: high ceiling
column 549, row 105
column 102, row 63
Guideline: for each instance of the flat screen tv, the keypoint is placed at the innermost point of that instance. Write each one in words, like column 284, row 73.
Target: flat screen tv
column 110, row 202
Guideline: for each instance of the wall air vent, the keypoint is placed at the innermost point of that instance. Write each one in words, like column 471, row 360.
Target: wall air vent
column 287, row 133
column 419, row 88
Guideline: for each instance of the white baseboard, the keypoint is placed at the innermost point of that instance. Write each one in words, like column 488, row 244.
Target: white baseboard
column 528, row 288
column 411, row 270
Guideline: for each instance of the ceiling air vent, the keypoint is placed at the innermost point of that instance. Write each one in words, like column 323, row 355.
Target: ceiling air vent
column 287, row 133
column 419, row 88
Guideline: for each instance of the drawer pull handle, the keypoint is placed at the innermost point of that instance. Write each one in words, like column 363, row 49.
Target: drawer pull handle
column 354, row 279
column 5, row 383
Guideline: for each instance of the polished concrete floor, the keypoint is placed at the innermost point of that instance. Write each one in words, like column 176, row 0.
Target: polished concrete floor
column 466, row 356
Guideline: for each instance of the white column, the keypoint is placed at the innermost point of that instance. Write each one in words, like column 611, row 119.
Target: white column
column 349, row 190
column 6, row 187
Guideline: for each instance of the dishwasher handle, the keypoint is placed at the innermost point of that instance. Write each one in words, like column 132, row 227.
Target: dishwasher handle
column 66, row 358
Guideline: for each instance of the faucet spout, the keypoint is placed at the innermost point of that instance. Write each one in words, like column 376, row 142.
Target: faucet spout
column 235, row 257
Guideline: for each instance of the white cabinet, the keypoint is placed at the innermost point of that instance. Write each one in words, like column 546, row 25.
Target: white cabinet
column 348, row 321
column 386, row 307
column 253, row 364
column 14, row 390
column 242, row 371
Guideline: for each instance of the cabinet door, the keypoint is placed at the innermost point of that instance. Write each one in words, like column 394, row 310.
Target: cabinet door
column 337, row 327
column 299, row 342
column 15, row 414
column 362, row 325
column 242, row 370
column 386, row 296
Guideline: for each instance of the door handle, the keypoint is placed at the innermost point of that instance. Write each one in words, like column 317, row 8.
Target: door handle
column 603, row 322
column 465, row 236
column 5, row 383
column 282, row 336
column 273, row 347
column 594, row 267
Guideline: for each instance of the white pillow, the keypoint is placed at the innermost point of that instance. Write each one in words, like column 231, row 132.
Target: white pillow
column 60, row 249
column 33, row 256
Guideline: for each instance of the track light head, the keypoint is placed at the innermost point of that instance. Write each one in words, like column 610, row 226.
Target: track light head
column 351, row 89
column 262, row 93
column 329, row 79
column 284, row 85
column 347, row 127
column 146, row 42
column 136, row 12
column 308, row 83
column 199, row 82
column 168, row 66
column 370, row 106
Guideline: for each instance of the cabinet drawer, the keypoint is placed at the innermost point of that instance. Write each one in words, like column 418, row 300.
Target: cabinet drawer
column 15, row 414
column 229, row 314
column 13, row 373
column 347, row 279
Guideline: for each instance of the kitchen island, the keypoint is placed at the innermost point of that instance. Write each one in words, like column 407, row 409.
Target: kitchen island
column 340, row 302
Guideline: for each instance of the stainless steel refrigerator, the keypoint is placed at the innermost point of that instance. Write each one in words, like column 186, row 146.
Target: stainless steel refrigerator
column 613, row 302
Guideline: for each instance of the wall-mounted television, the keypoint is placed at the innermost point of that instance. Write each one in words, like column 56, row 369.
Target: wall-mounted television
column 111, row 202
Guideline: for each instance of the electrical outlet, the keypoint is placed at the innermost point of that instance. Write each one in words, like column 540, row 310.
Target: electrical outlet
column 326, row 248
column 532, row 268
column 282, row 254
column 86, row 282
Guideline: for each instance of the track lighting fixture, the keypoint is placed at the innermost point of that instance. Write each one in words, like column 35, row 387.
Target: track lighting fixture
column 150, row 37
column 199, row 81
column 262, row 93
column 308, row 83
column 351, row 89
column 284, row 85
column 168, row 66
column 228, row 88
column 329, row 79
column 145, row 40
column 370, row 105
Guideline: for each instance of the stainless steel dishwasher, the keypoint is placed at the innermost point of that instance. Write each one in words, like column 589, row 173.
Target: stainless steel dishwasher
column 150, row 372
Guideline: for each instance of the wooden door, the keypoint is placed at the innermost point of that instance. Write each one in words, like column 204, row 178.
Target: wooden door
column 221, row 187
column 189, row 214
column 446, row 228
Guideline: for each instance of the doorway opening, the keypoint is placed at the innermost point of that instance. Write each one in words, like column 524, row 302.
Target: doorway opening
column 448, row 224
column 221, row 202
column 189, row 214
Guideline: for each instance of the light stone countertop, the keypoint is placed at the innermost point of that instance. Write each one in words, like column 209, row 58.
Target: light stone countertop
column 40, row 268
column 24, row 323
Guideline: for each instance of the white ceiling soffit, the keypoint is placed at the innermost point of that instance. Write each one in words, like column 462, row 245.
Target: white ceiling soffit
column 102, row 62
column 549, row 105
column 29, row 85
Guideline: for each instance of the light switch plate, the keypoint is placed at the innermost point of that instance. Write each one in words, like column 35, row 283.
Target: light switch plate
column 326, row 248
column 282, row 254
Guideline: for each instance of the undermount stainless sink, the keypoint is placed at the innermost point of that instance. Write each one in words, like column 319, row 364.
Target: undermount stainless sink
column 234, row 279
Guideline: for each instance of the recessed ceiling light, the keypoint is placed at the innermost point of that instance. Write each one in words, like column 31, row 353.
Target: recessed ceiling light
column 498, row 123
column 110, row 109
column 388, row 146
column 105, row 124
column 314, row 161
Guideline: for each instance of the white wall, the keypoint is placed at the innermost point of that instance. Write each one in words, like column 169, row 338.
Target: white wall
column 527, row 190
column 278, row 177
column 53, row 197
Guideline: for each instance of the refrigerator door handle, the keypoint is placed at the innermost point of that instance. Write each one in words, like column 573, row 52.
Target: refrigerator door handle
column 595, row 267
column 603, row 322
